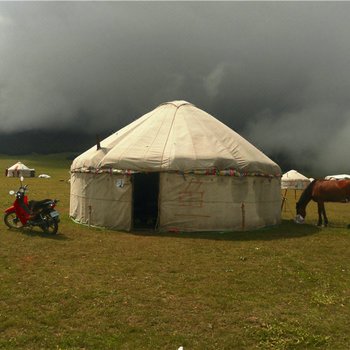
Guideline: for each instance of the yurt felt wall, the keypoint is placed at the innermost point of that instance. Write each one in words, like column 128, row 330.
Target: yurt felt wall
column 186, row 202
column 207, row 203
column 101, row 200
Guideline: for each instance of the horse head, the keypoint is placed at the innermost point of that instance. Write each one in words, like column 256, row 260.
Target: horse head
column 301, row 213
column 304, row 199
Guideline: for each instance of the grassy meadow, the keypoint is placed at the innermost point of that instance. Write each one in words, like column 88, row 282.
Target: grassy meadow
column 284, row 287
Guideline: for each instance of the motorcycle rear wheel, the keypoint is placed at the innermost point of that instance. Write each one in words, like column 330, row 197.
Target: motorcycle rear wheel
column 12, row 221
column 51, row 226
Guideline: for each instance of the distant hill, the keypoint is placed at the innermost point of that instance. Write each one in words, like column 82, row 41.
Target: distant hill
column 46, row 142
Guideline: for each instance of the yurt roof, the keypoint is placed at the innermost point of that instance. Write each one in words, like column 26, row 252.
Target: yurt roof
column 293, row 175
column 19, row 166
column 176, row 136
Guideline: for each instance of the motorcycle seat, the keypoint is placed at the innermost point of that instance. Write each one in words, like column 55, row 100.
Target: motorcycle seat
column 35, row 205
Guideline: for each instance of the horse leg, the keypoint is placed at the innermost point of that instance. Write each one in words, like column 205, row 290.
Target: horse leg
column 324, row 215
column 320, row 211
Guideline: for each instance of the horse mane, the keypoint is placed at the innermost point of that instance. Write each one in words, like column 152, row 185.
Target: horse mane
column 307, row 194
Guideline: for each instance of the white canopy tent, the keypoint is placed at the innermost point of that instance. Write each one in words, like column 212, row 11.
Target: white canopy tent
column 293, row 180
column 175, row 168
column 19, row 169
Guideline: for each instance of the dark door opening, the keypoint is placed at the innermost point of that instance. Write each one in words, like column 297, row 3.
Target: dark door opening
column 145, row 200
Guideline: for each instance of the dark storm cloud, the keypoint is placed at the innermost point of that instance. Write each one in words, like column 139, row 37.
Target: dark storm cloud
column 278, row 73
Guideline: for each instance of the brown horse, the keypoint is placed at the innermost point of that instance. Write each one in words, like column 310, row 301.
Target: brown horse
column 321, row 191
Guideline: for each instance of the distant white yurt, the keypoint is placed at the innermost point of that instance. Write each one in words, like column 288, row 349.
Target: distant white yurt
column 19, row 169
column 338, row 177
column 176, row 168
column 294, row 180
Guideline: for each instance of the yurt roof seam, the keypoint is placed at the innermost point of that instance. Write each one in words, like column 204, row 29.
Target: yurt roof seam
column 193, row 144
column 154, row 139
column 169, row 132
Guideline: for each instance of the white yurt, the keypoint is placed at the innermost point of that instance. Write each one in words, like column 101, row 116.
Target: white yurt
column 294, row 180
column 176, row 168
column 19, row 169
column 338, row 177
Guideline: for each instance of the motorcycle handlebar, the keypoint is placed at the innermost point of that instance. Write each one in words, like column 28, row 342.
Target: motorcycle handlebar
column 22, row 189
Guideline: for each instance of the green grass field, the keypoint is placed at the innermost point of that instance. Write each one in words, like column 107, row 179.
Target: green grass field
column 285, row 287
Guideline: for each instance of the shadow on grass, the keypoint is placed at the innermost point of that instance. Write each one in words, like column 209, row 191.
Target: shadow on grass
column 287, row 229
column 34, row 233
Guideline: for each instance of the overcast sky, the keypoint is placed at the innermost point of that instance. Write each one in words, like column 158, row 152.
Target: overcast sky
column 276, row 72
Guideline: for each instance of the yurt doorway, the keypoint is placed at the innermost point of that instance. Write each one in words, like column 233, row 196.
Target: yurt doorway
column 145, row 200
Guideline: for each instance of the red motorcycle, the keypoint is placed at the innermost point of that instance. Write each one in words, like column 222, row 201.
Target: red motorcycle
column 33, row 213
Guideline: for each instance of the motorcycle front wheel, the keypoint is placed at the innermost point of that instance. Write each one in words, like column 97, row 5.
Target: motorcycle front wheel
column 12, row 221
column 50, row 226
